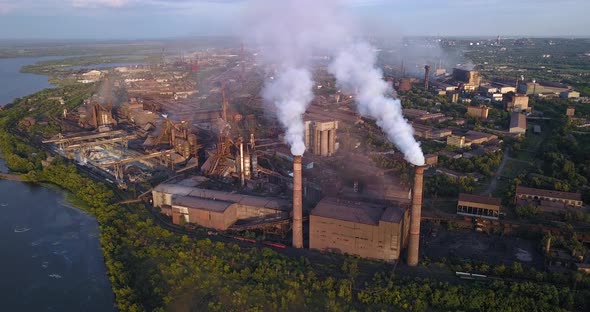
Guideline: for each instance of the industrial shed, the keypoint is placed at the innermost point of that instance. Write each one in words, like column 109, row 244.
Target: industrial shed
column 368, row 230
column 215, row 209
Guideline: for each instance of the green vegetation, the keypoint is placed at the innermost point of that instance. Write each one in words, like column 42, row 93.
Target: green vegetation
column 424, row 295
column 485, row 164
column 445, row 186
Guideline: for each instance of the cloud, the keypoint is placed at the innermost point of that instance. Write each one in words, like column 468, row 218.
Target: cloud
column 6, row 7
column 101, row 3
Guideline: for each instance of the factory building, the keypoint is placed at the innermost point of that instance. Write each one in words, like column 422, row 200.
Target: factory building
column 470, row 138
column 515, row 102
column 529, row 88
column 456, row 140
column 517, row 123
column 569, row 94
column 367, row 228
column 469, row 78
column 214, row 209
column 480, row 112
column 478, row 206
column 320, row 137
column 452, row 96
column 359, row 228
column 476, row 137
column 547, row 200
column 428, row 132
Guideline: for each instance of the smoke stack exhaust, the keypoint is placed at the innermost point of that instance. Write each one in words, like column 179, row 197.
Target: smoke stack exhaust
column 414, row 245
column 297, row 203
column 426, row 76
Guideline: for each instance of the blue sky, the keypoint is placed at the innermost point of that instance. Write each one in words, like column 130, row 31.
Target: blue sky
column 138, row 19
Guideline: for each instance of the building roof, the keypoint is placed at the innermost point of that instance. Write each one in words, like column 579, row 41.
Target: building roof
column 201, row 203
column 356, row 211
column 479, row 199
column 475, row 135
column 450, row 154
column 393, row 214
column 413, row 113
column 333, row 208
column 249, row 200
column 518, row 120
column 548, row 193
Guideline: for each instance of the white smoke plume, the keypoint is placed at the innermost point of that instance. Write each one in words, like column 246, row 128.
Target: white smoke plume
column 290, row 33
column 354, row 69
column 291, row 92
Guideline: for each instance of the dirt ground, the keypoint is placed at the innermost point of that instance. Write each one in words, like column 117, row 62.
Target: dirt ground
column 438, row 242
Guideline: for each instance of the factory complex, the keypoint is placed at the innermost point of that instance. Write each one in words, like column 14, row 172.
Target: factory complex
column 194, row 137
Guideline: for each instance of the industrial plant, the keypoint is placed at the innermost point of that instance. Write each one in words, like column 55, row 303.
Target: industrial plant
column 196, row 137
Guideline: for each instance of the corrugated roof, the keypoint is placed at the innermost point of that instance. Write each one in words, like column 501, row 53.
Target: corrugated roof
column 356, row 211
column 548, row 193
column 173, row 189
column 476, row 135
column 249, row 200
column 518, row 120
column 201, row 203
column 479, row 199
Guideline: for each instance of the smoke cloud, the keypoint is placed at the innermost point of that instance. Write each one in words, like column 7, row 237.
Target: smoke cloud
column 354, row 69
column 291, row 93
column 290, row 33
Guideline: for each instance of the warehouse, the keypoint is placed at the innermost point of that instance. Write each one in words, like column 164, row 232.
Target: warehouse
column 478, row 206
column 214, row 209
column 547, row 200
column 368, row 230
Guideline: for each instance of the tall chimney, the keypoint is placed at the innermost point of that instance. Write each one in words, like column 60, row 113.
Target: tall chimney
column 242, row 162
column 426, row 76
column 413, row 248
column 297, row 203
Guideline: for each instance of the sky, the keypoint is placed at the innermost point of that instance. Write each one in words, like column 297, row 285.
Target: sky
column 146, row 19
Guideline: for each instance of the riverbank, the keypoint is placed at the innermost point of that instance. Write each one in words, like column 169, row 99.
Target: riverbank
column 11, row 177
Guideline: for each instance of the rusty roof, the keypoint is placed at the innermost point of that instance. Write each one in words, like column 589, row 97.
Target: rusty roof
column 479, row 199
column 233, row 197
column 201, row 203
column 548, row 193
column 518, row 120
column 356, row 211
column 472, row 135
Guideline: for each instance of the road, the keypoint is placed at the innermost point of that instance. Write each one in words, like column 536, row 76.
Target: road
column 494, row 181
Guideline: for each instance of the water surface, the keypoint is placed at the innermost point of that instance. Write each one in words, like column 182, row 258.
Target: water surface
column 50, row 256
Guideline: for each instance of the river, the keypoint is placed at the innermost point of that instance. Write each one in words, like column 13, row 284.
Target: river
column 50, row 252
column 15, row 84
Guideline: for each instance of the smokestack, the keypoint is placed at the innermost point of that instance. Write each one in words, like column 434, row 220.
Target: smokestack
column 413, row 248
column 297, row 203
column 426, row 76
column 242, row 162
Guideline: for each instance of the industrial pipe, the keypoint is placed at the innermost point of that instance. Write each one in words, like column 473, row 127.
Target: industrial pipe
column 414, row 244
column 297, row 203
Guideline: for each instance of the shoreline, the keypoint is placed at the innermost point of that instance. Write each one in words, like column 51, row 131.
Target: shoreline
column 11, row 177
